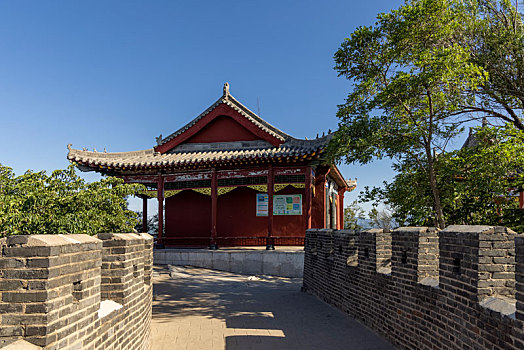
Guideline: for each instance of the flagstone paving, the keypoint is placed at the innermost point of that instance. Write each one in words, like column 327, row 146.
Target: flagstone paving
column 196, row 308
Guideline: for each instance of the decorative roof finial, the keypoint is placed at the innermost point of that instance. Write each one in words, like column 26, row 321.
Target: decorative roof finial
column 69, row 146
column 159, row 140
column 226, row 89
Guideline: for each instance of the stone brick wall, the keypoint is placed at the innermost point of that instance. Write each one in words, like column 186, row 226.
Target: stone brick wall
column 76, row 291
column 460, row 288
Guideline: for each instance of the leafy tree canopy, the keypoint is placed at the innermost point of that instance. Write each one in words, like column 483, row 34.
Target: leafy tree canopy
column 478, row 184
column 418, row 74
column 37, row 203
column 407, row 86
column 494, row 34
column 352, row 214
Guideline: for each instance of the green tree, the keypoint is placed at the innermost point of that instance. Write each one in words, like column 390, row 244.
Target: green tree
column 407, row 86
column 494, row 34
column 484, row 177
column 353, row 213
column 382, row 218
column 476, row 183
column 152, row 223
column 37, row 203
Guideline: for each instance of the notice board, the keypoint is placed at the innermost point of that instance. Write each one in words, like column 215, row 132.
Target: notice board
column 285, row 204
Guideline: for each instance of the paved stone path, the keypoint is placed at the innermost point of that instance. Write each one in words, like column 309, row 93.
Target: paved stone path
column 197, row 308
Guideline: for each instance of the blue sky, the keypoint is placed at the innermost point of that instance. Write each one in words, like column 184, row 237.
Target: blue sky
column 116, row 74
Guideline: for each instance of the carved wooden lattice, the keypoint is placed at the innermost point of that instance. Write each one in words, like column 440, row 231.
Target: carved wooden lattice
column 206, row 191
column 224, row 190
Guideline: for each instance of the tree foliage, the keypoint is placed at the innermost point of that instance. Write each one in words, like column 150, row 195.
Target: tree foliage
column 152, row 223
column 494, row 33
column 352, row 214
column 382, row 218
column 407, row 86
column 478, row 185
column 418, row 74
column 37, row 203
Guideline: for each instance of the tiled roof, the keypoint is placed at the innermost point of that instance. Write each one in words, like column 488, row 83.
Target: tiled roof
column 240, row 108
column 149, row 158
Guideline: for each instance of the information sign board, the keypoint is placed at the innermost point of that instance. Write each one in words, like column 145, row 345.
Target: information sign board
column 286, row 204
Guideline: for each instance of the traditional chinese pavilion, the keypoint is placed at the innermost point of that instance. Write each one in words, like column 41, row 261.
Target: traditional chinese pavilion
column 229, row 178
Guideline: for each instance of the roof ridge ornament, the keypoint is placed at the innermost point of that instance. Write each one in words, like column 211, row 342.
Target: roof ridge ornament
column 226, row 89
column 159, row 139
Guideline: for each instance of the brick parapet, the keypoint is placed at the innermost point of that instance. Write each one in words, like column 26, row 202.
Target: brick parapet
column 519, row 290
column 50, row 292
column 424, row 303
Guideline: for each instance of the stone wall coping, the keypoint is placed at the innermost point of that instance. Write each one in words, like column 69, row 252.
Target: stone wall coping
column 469, row 229
column 145, row 236
column 49, row 240
column 504, row 306
column 107, row 307
column 347, row 231
column 374, row 230
column 119, row 236
column 21, row 344
column 420, row 229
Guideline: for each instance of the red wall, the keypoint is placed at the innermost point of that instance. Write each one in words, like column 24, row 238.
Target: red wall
column 223, row 129
column 188, row 214
column 236, row 214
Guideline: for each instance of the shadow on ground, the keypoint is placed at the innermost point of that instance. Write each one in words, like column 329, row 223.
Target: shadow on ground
column 260, row 312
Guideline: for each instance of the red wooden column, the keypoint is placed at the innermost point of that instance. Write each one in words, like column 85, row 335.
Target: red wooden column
column 318, row 210
column 341, row 193
column 270, row 188
column 144, row 214
column 160, row 197
column 307, row 208
column 213, row 241
column 521, row 200
column 325, row 198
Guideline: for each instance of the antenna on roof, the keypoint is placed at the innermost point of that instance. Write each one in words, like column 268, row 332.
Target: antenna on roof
column 258, row 106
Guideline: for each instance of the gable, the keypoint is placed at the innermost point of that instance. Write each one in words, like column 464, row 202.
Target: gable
column 223, row 129
column 205, row 130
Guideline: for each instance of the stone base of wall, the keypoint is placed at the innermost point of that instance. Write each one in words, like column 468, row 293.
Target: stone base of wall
column 282, row 262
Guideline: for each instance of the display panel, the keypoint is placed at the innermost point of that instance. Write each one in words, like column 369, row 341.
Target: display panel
column 286, row 204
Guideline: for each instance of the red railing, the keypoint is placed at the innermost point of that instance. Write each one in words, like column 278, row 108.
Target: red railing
column 232, row 241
